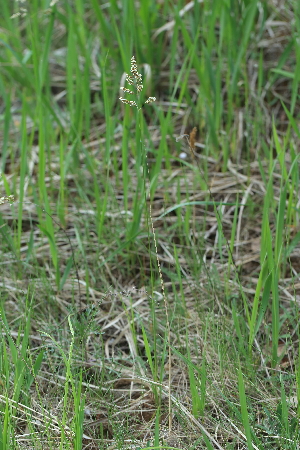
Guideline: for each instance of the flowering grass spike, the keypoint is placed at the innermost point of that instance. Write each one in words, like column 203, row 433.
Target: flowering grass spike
column 135, row 79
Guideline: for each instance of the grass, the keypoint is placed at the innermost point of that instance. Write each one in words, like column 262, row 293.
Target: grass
column 149, row 271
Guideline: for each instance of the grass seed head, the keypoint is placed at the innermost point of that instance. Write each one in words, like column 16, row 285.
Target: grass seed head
column 193, row 138
column 136, row 80
column 128, row 102
column 130, row 79
column 128, row 91
column 7, row 199
column 150, row 100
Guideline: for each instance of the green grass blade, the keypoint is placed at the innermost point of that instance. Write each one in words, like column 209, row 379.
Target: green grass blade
column 244, row 410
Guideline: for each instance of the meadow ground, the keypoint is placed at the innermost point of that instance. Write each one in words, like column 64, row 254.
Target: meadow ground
column 150, row 257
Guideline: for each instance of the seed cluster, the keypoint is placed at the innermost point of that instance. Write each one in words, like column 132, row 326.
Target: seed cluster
column 150, row 100
column 135, row 79
column 22, row 12
column 9, row 199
